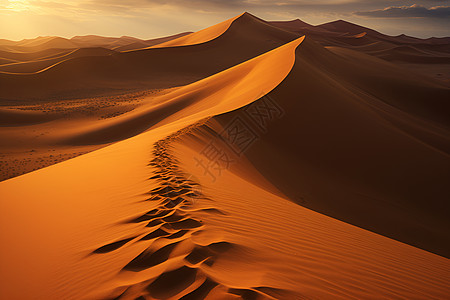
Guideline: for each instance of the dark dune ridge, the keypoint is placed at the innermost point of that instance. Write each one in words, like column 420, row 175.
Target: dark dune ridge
column 380, row 162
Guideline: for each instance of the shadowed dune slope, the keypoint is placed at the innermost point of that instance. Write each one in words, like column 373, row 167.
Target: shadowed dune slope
column 148, row 43
column 139, row 219
column 86, row 274
column 37, row 66
column 360, row 140
column 101, row 41
column 9, row 117
column 40, row 44
column 8, row 55
column 246, row 38
column 425, row 53
column 250, row 78
column 24, row 56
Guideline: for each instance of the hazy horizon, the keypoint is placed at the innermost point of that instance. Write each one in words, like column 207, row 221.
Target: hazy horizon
column 23, row 19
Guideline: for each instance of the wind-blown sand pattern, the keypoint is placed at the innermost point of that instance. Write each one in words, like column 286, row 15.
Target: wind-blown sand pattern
column 337, row 188
column 171, row 243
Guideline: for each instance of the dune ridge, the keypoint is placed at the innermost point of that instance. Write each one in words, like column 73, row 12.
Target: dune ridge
column 41, row 65
column 148, row 68
column 192, row 99
column 369, row 132
column 427, row 56
column 201, row 36
column 279, row 169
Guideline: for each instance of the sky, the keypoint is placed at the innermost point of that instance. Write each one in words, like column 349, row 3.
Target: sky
column 147, row 19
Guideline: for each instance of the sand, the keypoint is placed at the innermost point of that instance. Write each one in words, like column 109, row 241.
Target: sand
column 425, row 56
column 283, row 170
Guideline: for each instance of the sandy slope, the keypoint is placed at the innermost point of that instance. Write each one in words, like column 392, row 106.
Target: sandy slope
column 384, row 157
column 201, row 36
column 40, row 65
column 246, row 38
column 207, row 95
column 178, row 234
column 181, row 207
column 58, row 135
column 72, row 253
column 425, row 56
column 45, row 48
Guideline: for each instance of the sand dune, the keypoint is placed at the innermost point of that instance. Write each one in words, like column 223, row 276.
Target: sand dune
column 369, row 132
column 201, row 36
column 6, row 61
column 124, row 43
column 9, row 117
column 195, row 99
column 24, row 56
column 40, row 44
column 276, row 168
column 100, row 41
column 425, row 56
column 148, row 43
column 150, row 68
column 33, row 49
column 37, row 66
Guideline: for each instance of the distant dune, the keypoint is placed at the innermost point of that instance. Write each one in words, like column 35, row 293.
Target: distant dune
column 249, row 160
column 420, row 55
column 149, row 68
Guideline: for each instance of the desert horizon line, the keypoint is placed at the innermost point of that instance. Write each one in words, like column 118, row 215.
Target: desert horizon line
column 138, row 37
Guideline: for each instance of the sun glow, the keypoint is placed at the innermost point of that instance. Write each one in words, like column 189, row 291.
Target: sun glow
column 18, row 5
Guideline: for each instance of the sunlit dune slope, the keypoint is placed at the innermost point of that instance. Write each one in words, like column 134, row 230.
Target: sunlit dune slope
column 246, row 38
column 141, row 218
column 207, row 95
column 360, row 140
column 97, row 216
column 201, row 36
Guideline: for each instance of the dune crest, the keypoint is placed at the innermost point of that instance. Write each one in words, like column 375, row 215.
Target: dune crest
column 251, row 161
column 222, row 92
column 201, row 36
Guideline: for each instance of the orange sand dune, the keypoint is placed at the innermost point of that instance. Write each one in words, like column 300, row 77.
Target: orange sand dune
column 36, row 66
column 30, row 49
column 6, row 61
column 124, row 43
column 45, row 54
column 181, row 234
column 40, row 44
column 201, row 36
column 100, row 41
column 195, row 97
column 412, row 54
column 429, row 57
column 50, row 42
column 9, row 117
column 382, row 152
column 150, row 68
column 277, row 169
column 148, row 43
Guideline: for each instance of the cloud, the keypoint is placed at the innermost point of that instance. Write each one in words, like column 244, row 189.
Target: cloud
column 413, row 11
column 50, row 4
